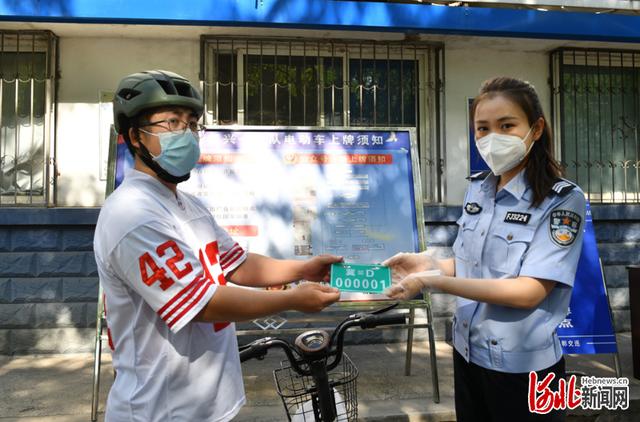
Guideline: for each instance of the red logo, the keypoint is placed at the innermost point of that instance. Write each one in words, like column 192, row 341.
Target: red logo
column 542, row 400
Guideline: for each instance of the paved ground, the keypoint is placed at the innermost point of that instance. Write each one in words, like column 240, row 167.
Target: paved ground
column 57, row 388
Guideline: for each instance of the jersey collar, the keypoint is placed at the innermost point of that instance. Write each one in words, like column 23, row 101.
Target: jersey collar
column 156, row 186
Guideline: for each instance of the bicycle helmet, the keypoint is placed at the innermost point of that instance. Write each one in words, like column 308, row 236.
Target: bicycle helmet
column 151, row 89
column 148, row 90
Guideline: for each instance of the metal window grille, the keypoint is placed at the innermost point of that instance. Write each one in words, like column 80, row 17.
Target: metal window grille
column 27, row 69
column 596, row 108
column 329, row 83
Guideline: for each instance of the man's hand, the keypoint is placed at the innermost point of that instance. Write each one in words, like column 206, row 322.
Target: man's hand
column 411, row 285
column 403, row 264
column 318, row 268
column 312, row 297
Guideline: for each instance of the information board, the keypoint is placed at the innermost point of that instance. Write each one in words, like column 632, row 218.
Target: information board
column 295, row 193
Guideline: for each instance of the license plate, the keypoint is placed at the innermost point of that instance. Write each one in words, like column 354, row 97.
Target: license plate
column 360, row 278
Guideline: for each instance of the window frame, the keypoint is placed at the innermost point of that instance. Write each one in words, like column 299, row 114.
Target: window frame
column 597, row 62
column 42, row 41
column 429, row 92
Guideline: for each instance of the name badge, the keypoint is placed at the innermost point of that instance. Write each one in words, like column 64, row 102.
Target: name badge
column 517, row 217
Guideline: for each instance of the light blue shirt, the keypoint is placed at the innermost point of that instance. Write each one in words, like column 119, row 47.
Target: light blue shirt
column 501, row 236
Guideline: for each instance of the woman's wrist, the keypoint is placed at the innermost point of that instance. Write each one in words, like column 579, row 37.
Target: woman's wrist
column 430, row 263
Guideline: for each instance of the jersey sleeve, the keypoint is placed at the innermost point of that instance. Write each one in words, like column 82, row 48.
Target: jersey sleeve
column 232, row 255
column 557, row 243
column 155, row 262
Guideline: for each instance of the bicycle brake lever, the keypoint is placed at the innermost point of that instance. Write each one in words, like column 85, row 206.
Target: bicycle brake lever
column 254, row 343
column 385, row 309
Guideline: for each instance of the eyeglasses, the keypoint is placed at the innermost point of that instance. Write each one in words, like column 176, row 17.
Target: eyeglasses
column 173, row 124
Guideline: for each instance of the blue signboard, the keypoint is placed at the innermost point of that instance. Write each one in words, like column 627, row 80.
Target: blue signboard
column 296, row 193
column 588, row 327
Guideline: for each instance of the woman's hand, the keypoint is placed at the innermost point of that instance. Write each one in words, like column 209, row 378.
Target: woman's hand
column 411, row 285
column 404, row 264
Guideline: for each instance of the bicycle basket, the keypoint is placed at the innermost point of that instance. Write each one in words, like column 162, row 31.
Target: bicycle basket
column 298, row 392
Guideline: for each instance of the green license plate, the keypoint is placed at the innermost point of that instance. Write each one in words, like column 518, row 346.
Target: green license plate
column 360, row 278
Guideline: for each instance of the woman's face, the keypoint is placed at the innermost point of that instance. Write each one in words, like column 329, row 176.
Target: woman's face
column 501, row 115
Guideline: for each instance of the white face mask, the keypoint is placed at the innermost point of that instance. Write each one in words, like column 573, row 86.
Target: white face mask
column 503, row 152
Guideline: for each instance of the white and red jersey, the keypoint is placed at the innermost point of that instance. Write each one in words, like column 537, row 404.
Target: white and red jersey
column 160, row 260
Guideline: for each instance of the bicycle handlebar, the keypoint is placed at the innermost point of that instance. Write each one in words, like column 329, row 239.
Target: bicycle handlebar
column 364, row 321
column 313, row 351
column 372, row 321
column 255, row 349
column 258, row 349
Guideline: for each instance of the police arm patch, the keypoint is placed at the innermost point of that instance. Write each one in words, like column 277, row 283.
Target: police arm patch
column 564, row 226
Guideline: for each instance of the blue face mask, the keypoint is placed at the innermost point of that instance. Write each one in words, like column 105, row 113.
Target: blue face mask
column 179, row 152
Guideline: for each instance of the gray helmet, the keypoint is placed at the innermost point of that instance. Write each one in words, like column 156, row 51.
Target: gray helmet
column 152, row 89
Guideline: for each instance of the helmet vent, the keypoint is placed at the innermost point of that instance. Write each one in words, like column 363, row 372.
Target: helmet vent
column 128, row 93
column 168, row 87
column 183, row 88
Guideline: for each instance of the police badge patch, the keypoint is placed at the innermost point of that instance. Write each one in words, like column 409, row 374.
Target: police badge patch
column 564, row 226
column 472, row 208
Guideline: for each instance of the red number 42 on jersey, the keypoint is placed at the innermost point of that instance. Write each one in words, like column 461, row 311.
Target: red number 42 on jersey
column 151, row 272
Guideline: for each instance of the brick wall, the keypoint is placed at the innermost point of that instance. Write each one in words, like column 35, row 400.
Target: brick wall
column 49, row 284
column 48, row 280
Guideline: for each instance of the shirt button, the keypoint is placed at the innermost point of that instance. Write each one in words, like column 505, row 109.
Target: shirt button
column 465, row 324
column 475, row 263
column 464, row 224
column 509, row 236
column 494, row 342
column 482, row 233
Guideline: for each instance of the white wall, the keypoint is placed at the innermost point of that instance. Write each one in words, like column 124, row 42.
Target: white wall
column 95, row 57
column 466, row 68
column 87, row 66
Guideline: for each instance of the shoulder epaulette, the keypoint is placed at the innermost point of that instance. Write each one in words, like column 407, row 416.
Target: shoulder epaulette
column 479, row 176
column 562, row 187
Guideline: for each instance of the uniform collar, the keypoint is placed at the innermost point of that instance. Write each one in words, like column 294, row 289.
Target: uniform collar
column 489, row 183
column 517, row 186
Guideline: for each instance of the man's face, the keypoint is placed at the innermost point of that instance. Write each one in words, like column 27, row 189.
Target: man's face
column 162, row 121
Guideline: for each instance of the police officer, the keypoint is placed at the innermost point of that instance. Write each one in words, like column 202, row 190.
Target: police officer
column 516, row 253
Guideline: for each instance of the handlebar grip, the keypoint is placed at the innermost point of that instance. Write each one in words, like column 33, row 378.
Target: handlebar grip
column 372, row 321
column 253, row 351
column 246, row 354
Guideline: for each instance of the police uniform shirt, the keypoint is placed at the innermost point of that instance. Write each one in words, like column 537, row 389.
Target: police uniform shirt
column 500, row 235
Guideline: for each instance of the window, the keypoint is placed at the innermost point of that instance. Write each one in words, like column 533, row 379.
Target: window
column 383, row 92
column 325, row 83
column 26, row 92
column 597, row 113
